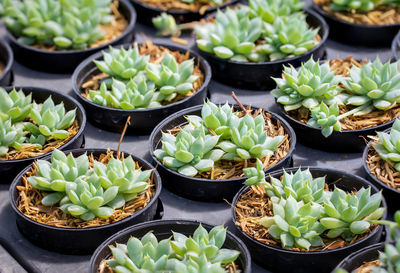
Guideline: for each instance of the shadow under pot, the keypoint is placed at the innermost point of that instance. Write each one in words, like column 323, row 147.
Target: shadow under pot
column 146, row 11
column 307, row 261
column 11, row 167
column 142, row 120
column 396, row 47
column 361, row 259
column 81, row 237
column 257, row 75
column 65, row 61
column 6, row 63
column 358, row 33
column 162, row 229
column 207, row 189
column 373, row 165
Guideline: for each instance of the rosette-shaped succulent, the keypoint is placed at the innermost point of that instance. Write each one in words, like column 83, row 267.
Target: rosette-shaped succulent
column 389, row 148
column 189, row 152
column 66, row 24
column 14, row 105
column 122, row 64
column 231, row 36
column 255, row 175
column 295, row 224
column 269, row 10
column 348, row 214
column 249, row 140
column 307, row 87
column 51, row 121
column 165, row 24
column 374, row 85
column 287, row 36
column 389, row 259
column 135, row 94
column 11, row 136
column 325, row 118
column 171, row 78
column 358, row 5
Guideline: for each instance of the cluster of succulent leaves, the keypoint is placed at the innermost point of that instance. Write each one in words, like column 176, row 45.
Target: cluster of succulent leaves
column 304, row 210
column 359, row 5
column 389, row 146
column 195, row 149
column 87, row 192
column 315, row 88
column 202, row 252
column 24, row 122
column 135, row 82
column 69, row 24
column 265, row 30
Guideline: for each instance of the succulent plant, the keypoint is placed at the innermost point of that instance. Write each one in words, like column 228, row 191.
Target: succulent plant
column 249, row 140
column 349, row 214
column 14, row 105
column 122, row 64
column 374, row 85
column 66, row 24
column 389, row 148
column 307, row 87
column 255, row 175
column 269, row 10
column 87, row 192
column 358, row 5
column 295, row 224
column 232, row 36
column 165, row 24
column 189, row 152
column 135, row 94
column 389, row 259
column 325, row 118
column 11, row 136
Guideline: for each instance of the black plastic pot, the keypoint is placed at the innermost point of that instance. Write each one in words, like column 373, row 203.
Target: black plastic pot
column 80, row 240
column 65, row 61
column 10, row 168
column 358, row 258
column 251, row 75
column 142, row 120
column 347, row 141
column 199, row 188
column 315, row 261
column 162, row 230
column 358, row 34
column 146, row 12
column 7, row 58
column 396, row 46
column 391, row 195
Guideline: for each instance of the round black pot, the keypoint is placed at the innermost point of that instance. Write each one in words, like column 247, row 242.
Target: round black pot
column 65, row 61
column 142, row 120
column 347, row 141
column 391, row 195
column 162, row 229
column 7, row 58
column 358, row 258
column 199, row 188
column 396, row 46
column 251, row 75
column 358, row 34
column 79, row 240
column 315, row 261
column 146, row 12
column 10, row 168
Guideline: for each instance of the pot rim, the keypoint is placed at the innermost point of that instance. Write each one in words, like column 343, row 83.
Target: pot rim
column 79, row 107
column 289, row 130
column 395, row 46
column 322, row 24
column 9, row 61
column 287, row 251
column 129, row 29
column 337, row 20
column 143, row 162
column 207, row 78
column 148, row 225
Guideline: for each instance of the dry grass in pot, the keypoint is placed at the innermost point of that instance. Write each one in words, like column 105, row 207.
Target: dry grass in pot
column 198, row 6
column 367, row 267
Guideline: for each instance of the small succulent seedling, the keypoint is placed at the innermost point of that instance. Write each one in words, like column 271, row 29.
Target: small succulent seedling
column 349, row 214
column 11, row 136
column 295, row 224
column 357, row 5
column 389, row 148
column 269, row 10
column 255, row 175
column 166, row 24
column 326, row 118
column 14, row 105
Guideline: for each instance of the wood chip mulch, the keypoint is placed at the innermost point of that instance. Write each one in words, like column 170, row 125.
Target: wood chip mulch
column 200, row 6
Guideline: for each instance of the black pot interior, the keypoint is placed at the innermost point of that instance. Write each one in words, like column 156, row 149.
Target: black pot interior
column 368, row 254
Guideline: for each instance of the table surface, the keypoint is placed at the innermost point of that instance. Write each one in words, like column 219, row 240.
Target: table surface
column 17, row 254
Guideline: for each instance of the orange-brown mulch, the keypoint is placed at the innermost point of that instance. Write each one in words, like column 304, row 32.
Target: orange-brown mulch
column 255, row 204
column 381, row 15
column 112, row 30
column 381, row 169
column 200, row 6
column 30, row 151
column 2, row 67
column 375, row 118
column 29, row 203
column 156, row 54
column 367, row 267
